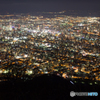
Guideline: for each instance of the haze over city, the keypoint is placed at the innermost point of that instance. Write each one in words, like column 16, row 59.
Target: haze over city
column 26, row 6
column 49, row 49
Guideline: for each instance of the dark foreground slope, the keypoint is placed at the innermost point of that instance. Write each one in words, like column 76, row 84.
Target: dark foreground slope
column 44, row 88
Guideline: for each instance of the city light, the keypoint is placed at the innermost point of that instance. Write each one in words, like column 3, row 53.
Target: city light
column 62, row 44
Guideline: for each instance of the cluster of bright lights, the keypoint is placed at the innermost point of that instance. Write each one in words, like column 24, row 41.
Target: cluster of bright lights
column 29, row 72
column 15, row 39
column 25, row 55
column 1, row 71
column 6, row 71
column 17, row 57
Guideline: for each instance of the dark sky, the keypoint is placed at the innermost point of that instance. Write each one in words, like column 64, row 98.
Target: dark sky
column 19, row 6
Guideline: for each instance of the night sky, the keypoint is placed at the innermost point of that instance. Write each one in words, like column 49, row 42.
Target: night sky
column 20, row 6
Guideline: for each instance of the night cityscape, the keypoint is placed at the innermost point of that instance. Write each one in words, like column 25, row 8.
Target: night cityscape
column 47, row 53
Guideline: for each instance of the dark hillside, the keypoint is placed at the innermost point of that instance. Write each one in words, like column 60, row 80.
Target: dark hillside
column 45, row 87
